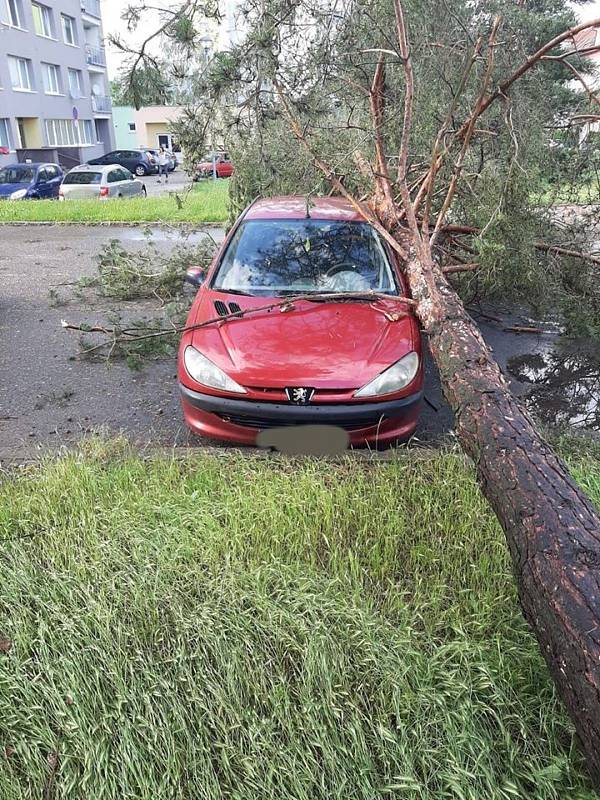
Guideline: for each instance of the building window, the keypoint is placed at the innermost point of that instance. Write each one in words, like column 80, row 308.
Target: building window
column 68, row 133
column 75, row 83
column 21, row 73
column 5, row 137
column 69, row 29
column 52, row 81
column 88, row 133
column 42, row 20
column 15, row 13
column 132, row 126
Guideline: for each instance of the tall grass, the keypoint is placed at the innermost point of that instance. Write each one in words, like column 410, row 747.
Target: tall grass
column 206, row 202
column 257, row 629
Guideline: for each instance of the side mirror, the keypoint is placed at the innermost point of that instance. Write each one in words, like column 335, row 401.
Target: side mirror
column 195, row 276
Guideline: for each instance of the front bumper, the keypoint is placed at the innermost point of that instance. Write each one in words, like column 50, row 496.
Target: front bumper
column 240, row 420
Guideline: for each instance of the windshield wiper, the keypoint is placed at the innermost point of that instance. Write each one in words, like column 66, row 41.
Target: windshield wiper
column 235, row 291
column 359, row 297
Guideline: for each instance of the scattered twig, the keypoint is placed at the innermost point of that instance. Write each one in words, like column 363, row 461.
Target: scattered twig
column 523, row 329
column 450, row 269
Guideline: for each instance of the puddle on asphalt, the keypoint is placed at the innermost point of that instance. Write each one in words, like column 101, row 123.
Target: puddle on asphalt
column 564, row 383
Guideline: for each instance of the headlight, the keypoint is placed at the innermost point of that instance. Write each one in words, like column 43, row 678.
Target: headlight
column 19, row 194
column 204, row 371
column 393, row 379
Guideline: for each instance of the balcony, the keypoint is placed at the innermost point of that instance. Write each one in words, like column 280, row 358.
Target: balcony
column 95, row 56
column 101, row 104
column 91, row 7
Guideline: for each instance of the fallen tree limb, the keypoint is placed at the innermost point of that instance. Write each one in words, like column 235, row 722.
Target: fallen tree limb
column 546, row 247
column 135, row 335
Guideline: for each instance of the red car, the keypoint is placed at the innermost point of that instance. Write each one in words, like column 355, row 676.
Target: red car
column 348, row 353
column 223, row 166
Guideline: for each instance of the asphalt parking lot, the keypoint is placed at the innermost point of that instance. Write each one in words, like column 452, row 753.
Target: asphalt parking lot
column 50, row 397
column 178, row 182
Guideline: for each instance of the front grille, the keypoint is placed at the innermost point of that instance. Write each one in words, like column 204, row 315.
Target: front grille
column 260, row 423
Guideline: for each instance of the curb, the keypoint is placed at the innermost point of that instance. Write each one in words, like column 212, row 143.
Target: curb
column 112, row 224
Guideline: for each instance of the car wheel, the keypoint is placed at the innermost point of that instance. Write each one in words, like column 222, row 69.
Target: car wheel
column 140, row 170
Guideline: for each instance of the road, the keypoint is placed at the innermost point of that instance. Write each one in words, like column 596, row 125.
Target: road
column 178, row 181
column 49, row 397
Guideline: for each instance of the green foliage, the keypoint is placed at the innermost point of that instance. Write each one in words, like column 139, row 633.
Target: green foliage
column 127, row 274
column 174, row 630
column 146, row 86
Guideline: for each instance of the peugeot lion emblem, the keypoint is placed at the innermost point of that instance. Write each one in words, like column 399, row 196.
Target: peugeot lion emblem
column 299, row 396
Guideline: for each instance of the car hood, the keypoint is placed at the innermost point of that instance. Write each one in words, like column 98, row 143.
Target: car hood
column 7, row 189
column 328, row 345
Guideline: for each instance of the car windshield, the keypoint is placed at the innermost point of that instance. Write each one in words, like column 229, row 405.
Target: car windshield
column 17, row 174
column 83, row 177
column 267, row 257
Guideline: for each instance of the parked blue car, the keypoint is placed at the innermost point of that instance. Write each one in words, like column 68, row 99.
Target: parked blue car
column 30, row 181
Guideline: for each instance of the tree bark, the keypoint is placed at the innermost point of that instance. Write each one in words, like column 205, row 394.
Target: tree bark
column 552, row 528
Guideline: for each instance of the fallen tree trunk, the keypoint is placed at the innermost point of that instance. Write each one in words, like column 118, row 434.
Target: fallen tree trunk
column 552, row 528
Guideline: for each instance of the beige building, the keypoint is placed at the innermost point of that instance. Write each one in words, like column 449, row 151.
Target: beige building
column 149, row 126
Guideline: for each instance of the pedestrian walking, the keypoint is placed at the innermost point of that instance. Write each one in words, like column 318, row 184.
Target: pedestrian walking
column 163, row 164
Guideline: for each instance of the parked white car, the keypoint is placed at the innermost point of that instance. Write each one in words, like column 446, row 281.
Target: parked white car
column 90, row 181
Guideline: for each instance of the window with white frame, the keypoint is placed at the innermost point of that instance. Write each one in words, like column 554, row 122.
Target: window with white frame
column 76, row 83
column 52, row 80
column 21, row 73
column 5, row 137
column 42, row 20
column 69, row 29
column 67, row 132
column 88, row 132
column 15, row 16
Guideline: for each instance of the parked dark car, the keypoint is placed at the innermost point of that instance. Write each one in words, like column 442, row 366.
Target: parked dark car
column 140, row 162
column 30, row 181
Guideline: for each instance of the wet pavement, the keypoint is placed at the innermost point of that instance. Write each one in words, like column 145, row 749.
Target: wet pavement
column 49, row 397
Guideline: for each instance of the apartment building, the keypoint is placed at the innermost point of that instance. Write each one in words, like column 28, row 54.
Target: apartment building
column 54, row 91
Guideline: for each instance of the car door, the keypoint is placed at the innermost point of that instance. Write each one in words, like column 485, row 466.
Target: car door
column 55, row 176
column 224, row 168
column 113, row 180
column 41, row 186
column 130, row 159
column 128, row 185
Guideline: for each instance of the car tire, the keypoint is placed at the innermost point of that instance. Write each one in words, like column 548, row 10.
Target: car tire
column 140, row 170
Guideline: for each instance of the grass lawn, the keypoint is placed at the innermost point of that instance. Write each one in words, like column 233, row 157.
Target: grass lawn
column 261, row 629
column 207, row 202
column 585, row 193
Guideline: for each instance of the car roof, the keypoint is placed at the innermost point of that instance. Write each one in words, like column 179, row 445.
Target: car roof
column 294, row 207
column 95, row 167
column 34, row 164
